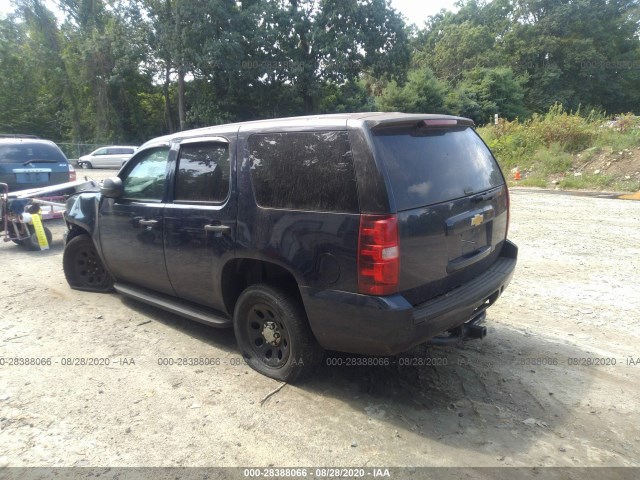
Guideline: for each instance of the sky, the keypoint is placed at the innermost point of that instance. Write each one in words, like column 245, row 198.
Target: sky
column 415, row 11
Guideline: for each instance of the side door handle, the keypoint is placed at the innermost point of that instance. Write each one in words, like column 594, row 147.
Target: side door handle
column 226, row 229
column 148, row 223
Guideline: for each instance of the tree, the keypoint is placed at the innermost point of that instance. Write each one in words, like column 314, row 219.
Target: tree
column 338, row 41
column 423, row 93
column 485, row 92
column 575, row 52
column 579, row 52
column 19, row 90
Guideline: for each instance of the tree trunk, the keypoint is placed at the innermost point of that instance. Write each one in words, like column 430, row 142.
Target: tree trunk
column 307, row 101
column 181, row 108
column 167, row 99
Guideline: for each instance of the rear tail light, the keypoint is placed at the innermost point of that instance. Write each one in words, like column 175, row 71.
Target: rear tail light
column 508, row 210
column 72, row 173
column 378, row 255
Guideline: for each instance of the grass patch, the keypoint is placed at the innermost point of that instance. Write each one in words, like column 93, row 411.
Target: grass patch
column 535, row 181
column 616, row 140
column 587, row 182
column 552, row 159
column 589, row 153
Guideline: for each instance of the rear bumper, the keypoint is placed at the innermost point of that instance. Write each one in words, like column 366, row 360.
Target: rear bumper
column 354, row 323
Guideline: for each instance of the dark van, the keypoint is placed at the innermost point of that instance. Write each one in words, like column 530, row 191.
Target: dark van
column 366, row 233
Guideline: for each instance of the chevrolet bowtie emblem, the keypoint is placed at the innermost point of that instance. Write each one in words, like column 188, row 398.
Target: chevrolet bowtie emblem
column 477, row 220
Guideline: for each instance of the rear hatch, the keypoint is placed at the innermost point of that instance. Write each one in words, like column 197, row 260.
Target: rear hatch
column 28, row 164
column 451, row 202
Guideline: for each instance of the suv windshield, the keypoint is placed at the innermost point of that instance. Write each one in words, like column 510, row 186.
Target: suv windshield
column 433, row 165
column 25, row 152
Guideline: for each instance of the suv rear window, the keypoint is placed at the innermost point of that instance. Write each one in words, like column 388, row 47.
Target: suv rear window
column 304, row 171
column 23, row 152
column 434, row 165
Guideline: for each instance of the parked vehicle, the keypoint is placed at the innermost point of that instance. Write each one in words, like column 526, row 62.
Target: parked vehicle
column 107, row 157
column 29, row 162
column 18, row 210
column 367, row 233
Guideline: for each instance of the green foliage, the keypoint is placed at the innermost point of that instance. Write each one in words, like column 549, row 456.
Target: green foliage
column 617, row 140
column 124, row 71
column 546, row 145
column 486, row 91
column 456, row 49
column 423, row 93
column 350, row 97
column 551, row 135
column 576, row 53
column 572, row 131
column 551, row 159
column 604, row 182
column 535, row 180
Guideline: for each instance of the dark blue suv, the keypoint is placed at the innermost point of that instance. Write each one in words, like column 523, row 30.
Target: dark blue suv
column 28, row 162
column 365, row 233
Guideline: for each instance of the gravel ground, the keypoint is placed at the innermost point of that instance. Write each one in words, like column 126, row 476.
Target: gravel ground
column 515, row 398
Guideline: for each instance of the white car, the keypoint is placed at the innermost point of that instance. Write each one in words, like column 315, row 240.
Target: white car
column 107, row 157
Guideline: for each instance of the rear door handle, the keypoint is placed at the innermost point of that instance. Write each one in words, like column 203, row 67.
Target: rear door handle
column 148, row 223
column 217, row 228
column 464, row 262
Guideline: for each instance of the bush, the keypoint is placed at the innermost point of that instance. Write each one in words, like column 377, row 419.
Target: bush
column 569, row 130
column 545, row 145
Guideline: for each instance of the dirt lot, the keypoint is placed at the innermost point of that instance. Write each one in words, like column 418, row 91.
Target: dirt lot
column 515, row 398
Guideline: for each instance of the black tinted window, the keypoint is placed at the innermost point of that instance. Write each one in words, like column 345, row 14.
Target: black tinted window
column 23, row 152
column 304, row 171
column 203, row 173
column 146, row 179
column 434, row 165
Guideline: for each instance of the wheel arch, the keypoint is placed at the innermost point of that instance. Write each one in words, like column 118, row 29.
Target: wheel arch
column 240, row 273
column 75, row 231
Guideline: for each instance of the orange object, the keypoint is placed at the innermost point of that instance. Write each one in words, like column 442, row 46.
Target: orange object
column 517, row 175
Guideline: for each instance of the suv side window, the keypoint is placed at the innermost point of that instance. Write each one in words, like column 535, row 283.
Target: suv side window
column 304, row 171
column 102, row 151
column 145, row 181
column 203, row 173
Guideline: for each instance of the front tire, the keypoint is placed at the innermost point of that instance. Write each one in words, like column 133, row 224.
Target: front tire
column 83, row 267
column 32, row 242
column 87, row 165
column 273, row 334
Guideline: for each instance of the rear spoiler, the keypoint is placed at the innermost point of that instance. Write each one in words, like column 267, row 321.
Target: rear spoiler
column 419, row 122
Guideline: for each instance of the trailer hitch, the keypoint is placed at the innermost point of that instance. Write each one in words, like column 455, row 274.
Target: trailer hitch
column 467, row 331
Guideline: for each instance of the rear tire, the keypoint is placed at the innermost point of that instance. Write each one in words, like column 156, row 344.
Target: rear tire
column 273, row 334
column 83, row 267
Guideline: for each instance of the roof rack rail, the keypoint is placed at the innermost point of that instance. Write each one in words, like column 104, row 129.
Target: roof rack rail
column 17, row 135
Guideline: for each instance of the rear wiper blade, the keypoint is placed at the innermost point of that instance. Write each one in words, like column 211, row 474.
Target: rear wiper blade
column 39, row 161
column 483, row 198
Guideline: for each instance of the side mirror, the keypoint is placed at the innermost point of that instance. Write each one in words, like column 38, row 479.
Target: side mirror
column 112, row 188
